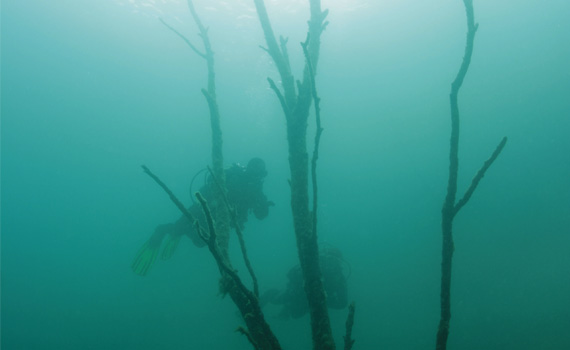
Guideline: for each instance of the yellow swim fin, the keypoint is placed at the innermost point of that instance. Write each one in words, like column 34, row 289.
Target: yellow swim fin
column 170, row 246
column 145, row 258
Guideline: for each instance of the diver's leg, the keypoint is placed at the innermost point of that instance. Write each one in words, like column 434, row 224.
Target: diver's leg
column 176, row 232
column 189, row 229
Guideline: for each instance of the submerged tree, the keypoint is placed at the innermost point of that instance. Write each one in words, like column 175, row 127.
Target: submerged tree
column 450, row 206
column 216, row 234
column 296, row 103
column 296, row 98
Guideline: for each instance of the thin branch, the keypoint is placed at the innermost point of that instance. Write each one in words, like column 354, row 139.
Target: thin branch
column 273, row 47
column 209, row 219
column 203, row 30
column 213, row 246
column 455, row 86
column 202, row 233
column 284, row 51
column 313, row 85
column 471, row 31
column 318, row 133
column 247, row 302
column 450, row 208
column 207, row 47
column 279, row 57
column 316, row 26
column 480, row 175
column 201, row 54
column 233, row 216
column 264, row 49
column 245, row 332
column 170, row 194
column 348, row 341
column 177, row 202
column 284, row 105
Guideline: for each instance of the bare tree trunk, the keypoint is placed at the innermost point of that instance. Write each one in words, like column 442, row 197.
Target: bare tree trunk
column 258, row 331
column 296, row 105
column 450, row 207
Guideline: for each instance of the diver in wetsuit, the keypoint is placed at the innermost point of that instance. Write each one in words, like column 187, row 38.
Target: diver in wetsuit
column 245, row 194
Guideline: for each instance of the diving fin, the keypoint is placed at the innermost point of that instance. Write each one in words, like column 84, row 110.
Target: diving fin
column 145, row 258
column 170, row 246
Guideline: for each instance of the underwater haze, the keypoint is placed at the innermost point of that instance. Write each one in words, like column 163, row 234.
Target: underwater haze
column 92, row 90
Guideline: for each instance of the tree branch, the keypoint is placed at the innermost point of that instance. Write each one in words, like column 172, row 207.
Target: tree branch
column 175, row 200
column 272, row 46
column 248, row 336
column 284, row 105
column 233, row 216
column 280, row 58
column 183, row 38
column 169, row 192
column 318, row 133
column 480, row 175
column 213, row 246
column 348, row 341
column 285, row 52
column 298, row 104
column 245, row 300
column 450, row 208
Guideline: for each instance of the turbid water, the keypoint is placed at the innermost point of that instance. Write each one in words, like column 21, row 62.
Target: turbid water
column 91, row 90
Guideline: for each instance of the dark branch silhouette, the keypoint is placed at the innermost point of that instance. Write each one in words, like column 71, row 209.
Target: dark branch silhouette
column 235, row 222
column 450, row 207
column 348, row 341
column 296, row 101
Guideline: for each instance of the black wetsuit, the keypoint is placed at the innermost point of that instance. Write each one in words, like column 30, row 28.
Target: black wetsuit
column 245, row 194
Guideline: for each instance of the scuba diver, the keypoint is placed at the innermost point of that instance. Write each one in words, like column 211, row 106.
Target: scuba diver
column 245, row 194
column 293, row 298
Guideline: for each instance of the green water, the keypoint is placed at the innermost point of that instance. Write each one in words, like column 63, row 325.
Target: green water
column 93, row 89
